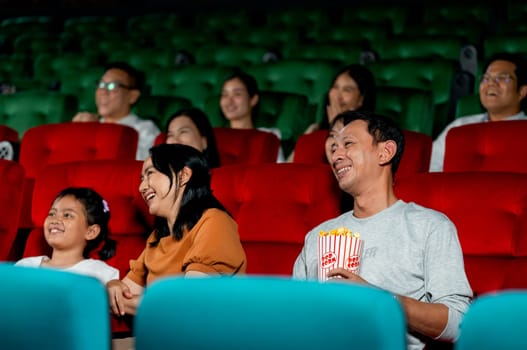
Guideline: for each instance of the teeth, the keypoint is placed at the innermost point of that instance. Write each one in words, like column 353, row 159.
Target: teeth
column 150, row 196
column 343, row 170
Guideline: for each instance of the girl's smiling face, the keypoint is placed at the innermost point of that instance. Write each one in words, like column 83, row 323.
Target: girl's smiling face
column 66, row 225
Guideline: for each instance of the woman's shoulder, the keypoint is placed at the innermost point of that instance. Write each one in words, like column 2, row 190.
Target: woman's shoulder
column 32, row 261
column 216, row 214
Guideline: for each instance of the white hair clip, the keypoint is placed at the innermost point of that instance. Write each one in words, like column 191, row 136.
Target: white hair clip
column 106, row 208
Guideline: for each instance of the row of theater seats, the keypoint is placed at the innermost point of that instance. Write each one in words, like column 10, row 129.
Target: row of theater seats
column 444, row 54
column 488, row 202
column 267, row 312
column 291, row 110
column 313, row 24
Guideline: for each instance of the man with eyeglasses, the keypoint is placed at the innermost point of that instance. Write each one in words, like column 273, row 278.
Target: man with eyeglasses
column 502, row 92
column 116, row 92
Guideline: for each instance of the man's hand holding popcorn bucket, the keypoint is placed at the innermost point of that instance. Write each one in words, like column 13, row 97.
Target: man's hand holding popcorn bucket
column 339, row 255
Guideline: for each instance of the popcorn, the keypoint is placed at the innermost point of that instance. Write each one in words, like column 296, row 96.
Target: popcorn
column 339, row 247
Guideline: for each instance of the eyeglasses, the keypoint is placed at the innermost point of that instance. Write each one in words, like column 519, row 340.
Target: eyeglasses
column 113, row 86
column 498, row 79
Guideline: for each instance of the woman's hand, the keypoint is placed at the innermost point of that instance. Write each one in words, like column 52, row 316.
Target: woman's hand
column 333, row 109
column 122, row 299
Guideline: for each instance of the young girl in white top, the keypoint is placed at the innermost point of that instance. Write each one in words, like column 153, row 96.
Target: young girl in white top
column 76, row 225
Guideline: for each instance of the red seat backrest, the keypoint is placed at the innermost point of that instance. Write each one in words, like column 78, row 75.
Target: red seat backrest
column 10, row 205
column 246, row 146
column 493, row 146
column 242, row 146
column 490, row 213
column 275, row 205
column 8, row 134
column 117, row 181
column 66, row 142
column 310, row 148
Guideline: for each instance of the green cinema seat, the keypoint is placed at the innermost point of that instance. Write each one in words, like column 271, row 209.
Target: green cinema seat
column 160, row 108
column 435, row 76
column 194, row 82
column 24, row 110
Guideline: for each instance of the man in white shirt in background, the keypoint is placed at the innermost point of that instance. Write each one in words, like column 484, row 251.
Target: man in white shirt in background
column 502, row 92
column 117, row 91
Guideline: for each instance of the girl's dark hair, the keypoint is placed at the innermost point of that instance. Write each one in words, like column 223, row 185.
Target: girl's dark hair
column 380, row 127
column 366, row 84
column 170, row 159
column 200, row 119
column 250, row 84
column 97, row 213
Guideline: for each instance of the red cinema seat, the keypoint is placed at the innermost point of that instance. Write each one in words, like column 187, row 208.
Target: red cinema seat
column 493, row 146
column 66, row 142
column 246, row 146
column 160, row 138
column 275, row 205
column 241, row 146
column 489, row 210
column 310, row 148
column 12, row 182
column 8, row 134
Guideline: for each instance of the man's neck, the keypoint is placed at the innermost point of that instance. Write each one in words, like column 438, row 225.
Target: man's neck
column 501, row 115
column 374, row 200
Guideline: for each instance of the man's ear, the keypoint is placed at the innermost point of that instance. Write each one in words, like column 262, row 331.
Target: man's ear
column 254, row 100
column 522, row 92
column 387, row 151
column 184, row 175
column 133, row 96
column 93, row 232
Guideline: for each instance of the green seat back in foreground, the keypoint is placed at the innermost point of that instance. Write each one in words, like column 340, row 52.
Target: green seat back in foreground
column 52, row 310
column 495, row 321
column 267, row 313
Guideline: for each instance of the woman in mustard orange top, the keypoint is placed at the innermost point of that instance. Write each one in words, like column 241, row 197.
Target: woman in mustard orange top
column 193, row 235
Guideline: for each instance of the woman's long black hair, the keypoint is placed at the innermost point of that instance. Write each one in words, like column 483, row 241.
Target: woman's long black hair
column 170, row 159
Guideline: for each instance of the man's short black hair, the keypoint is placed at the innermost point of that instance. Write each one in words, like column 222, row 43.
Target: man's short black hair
column 137, row 77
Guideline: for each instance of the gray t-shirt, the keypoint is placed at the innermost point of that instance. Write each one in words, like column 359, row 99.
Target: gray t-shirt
column 408, row 250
